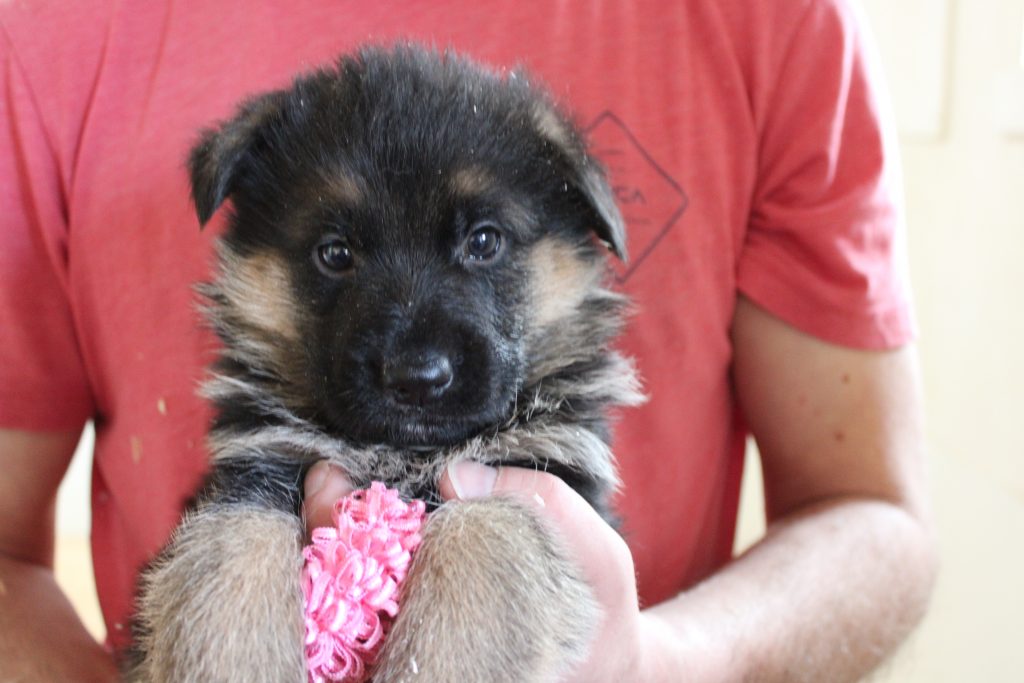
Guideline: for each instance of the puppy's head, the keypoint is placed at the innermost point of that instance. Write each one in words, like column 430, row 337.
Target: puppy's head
column 405, row 226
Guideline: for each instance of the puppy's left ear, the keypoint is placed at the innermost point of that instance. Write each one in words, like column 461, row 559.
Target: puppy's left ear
column 587, row 176
column 610, row 228
column 224, row 154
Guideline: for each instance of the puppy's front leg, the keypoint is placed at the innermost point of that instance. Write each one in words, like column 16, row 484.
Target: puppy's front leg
column 490, row 598
column 223, row 602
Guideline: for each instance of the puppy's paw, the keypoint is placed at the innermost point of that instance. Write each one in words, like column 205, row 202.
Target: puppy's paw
column 224, row 603
column 490, row 597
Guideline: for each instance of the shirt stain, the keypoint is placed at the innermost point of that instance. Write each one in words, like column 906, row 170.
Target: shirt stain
column 161, row 406
column 3, row 588
column 136, row 449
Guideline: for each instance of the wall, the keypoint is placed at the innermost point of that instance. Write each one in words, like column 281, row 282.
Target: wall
column 965, row 201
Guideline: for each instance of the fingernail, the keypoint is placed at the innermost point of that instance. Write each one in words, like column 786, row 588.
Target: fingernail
column 471, row 479
column 316, row 478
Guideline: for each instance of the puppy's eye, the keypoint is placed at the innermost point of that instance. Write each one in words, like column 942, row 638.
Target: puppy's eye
column 333, row 256
column 484, row 243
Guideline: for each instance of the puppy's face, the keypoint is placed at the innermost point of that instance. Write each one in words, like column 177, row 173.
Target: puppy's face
column 406, row 228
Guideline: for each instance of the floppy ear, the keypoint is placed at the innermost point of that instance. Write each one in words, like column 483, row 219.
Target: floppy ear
column 223, row 153
column 610, row 226
column 587, row 176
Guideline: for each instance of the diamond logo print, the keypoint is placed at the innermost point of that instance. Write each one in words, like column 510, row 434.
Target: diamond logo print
column 651, row 202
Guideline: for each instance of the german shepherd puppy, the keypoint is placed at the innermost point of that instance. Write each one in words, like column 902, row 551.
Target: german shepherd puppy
column 413, row 274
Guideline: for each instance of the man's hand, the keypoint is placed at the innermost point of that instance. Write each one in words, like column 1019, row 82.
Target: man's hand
column 41, row 637
column 324, row 485
column 629, row 644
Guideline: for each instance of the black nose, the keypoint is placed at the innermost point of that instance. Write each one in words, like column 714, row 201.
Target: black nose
column 417, row 379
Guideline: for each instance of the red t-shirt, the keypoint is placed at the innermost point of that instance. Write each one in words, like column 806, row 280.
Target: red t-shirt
column 747, row 146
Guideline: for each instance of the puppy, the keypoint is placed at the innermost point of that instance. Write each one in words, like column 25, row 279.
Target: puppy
column 413, row 274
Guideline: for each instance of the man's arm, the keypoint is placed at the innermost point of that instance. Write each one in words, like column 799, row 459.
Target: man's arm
column 41, row 637
column 849, row 559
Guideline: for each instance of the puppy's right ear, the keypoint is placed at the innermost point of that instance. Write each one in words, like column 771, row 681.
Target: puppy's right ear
column 223, row 154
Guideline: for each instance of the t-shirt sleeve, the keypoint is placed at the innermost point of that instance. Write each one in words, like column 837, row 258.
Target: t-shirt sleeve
column 43, row 385
column 824, row 248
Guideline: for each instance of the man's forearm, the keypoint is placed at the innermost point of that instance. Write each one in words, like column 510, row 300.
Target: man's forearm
column 41, row 637
column 828, row 595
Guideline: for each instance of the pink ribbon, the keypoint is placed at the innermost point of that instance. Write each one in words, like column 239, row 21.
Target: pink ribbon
column 351, row 581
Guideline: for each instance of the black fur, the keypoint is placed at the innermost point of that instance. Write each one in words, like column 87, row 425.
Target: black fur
column 399, row 155
column 402, row 123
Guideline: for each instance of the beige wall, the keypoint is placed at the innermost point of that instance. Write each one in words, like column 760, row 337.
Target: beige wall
column 965, row 201
column 956, row 76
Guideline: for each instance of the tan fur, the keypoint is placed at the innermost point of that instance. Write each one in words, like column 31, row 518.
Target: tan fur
column 229, row 588
column 559, row 282
column 490, row 598
column 472, row 181
column 549, row 124
column 344, row 187
column 258, row 289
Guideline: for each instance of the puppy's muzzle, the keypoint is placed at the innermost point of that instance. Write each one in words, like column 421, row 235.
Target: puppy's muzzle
column 417, row 379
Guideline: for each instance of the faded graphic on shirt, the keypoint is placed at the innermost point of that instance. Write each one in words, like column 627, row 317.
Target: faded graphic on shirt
column 651, row 201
